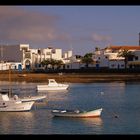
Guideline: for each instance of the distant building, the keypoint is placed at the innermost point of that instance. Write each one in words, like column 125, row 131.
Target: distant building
column 118, row 62
column 29, row 58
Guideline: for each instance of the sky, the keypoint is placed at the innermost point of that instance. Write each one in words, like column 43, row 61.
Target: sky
column 76, row 28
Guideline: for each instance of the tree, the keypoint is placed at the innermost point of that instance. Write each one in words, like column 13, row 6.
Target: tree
column 59, row 63
column 126, row 54
column 52, row 62
column 45, row 63
column 87, row 59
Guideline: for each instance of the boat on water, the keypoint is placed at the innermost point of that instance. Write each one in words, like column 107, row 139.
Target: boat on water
column 12, row 104
column 77, row 113
column 22, row 75
column 8, row 104
column 32, row 98
column 52, row 86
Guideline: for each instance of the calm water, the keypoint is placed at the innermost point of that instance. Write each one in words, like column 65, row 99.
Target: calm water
column 116, row 98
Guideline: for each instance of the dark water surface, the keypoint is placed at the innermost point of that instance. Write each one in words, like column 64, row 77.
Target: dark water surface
column 120, row 102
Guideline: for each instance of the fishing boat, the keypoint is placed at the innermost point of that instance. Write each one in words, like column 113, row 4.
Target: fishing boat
column 52, row 86
column 77, row 113
column 12, row 104
column 8, row 104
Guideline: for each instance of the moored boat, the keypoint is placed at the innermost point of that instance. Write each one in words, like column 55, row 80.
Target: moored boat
column 52, row 86
column 8, row 104
column 33, row 98
column 77, row 113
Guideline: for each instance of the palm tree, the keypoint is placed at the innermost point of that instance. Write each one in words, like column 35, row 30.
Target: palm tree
column 59, row 63
column 87, row 59
column 52, row 62
column 45, row 63
column 126, row 54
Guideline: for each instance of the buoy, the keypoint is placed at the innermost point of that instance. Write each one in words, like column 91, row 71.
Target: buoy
column 102, row 93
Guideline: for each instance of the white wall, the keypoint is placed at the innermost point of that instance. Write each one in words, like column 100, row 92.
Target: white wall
column 116, row 64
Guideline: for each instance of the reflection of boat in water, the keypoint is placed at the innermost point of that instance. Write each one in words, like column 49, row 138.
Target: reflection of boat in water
column 52, row 86
column 90, row 121
column 77, row 113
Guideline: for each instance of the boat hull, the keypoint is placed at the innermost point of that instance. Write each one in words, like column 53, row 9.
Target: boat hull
column 15, row 107
column 89, row 114
column 51, row 88
column 33, row 98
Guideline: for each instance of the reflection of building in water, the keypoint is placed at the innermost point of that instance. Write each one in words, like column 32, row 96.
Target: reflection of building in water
column 120, row 86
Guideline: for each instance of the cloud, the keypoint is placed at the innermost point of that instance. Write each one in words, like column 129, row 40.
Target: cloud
column 20, row 25
column 100, row 38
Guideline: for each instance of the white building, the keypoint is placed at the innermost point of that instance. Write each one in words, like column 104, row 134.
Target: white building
column 135, row 63
column 100, row 58
column 29, row 58
column 118, row 62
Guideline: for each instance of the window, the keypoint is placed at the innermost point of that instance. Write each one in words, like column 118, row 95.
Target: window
column 48, row 53
column 136, row 57
column 27, row 55
column 53, row 51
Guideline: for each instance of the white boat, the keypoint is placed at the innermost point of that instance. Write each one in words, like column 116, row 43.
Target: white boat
column 52, row 86
column 77, row 113
column 12, row 104
column 33, row 98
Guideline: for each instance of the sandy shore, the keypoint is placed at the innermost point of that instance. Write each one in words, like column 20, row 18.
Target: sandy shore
column 70, row 78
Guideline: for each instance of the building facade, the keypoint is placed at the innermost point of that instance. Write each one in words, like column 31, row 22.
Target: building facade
column 29, row 58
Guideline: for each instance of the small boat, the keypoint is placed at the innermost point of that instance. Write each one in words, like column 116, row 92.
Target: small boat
column 77, row 113
column 52, row 86
column 31, row 98
column 13, row 104
column 8, row 104
column 22, row 75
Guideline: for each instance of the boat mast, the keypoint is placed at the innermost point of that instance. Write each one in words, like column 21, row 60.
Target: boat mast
column 10, row 80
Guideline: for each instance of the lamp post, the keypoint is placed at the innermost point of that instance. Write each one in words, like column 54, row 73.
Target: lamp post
column 10, row 90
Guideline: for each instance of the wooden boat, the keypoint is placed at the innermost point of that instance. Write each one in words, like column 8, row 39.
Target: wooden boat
column 77, row 113
column 52, row 86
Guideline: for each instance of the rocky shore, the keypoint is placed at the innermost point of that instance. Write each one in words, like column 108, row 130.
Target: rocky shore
column 70, row 77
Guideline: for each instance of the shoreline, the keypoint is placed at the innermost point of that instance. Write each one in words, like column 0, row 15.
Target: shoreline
column 71, row 77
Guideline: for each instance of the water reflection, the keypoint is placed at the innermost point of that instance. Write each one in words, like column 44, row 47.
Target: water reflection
column 12, row 122
column 92, row 121
column 90, row 125
column 57, row 95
